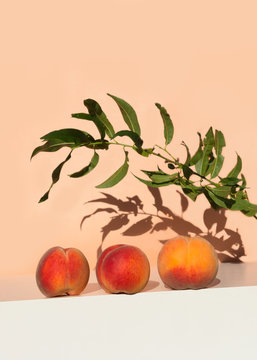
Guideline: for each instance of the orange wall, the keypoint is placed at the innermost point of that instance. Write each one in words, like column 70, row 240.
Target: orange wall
column 197, row 58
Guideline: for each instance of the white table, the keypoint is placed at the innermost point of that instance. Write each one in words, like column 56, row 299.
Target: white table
column 219, row 322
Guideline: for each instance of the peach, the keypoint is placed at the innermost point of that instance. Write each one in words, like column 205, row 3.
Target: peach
column 62, row 272
column 187, row 263
column 122, row 269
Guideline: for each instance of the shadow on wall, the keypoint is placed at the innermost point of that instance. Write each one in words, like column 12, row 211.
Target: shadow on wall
column 228, row 243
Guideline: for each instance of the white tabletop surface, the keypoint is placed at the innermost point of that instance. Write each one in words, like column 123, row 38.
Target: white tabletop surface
column 219, row 322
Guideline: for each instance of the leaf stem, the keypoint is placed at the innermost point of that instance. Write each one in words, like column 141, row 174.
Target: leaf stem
column 167, row 152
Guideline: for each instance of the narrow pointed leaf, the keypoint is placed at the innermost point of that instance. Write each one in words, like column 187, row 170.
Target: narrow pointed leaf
column 222, row 191
column 210, row 164
column 250, row 209
column 99, row 116
column 242, row 193
column 220, row 200
column 208, row 146
column 50, row 146
column 160, row 177
column 152, row 184
column 88, row 168
column 230, row 181
column 55, row 177
column 82, row 116
column 219, row 141
column 187, row 162
column 236, row 170
column 128, row 113
column 117, row 176
column 197, row 156
column 212, row 203
column 97, row 122
column 217, row 165
column 190, row 193
column 187, row 171
column 69, row 136
column 132, row 135
column 244, row 181
column 168, row 125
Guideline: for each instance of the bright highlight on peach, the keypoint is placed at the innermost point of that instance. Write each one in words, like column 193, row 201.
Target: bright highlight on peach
column 123, row 269
column 187, row 263
column 62, row 272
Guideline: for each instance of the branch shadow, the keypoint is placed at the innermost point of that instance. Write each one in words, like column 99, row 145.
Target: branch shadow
column 227, row 242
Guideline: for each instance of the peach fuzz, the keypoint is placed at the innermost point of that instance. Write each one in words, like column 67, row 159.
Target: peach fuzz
column 187, row 263
column 123, row 269
column 62, row 272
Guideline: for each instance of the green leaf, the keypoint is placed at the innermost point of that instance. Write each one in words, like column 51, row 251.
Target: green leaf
column 128, row 113
column 237, row 168
column 88, row 168
column 219, row 142
column 82, row 116
column 132, row 135
column 190, row 193
column 212, row 203
column 117, row 176
column 250, row 209
column 242, row 193
column 187, row 162
column 210, row 164
column 245, row 206
column 197, row 156
column 230, row 181
column 222, row 191
column 55, row 177
column 97, row 122
column 244, row 182
column 219, row 200
column 217, row 165
column 168, row 125
column 49, row 146
column 152, row 184
column 69, row 136
column 202, row 164
column 160, row 176
column 97, row 113
column 187, row 171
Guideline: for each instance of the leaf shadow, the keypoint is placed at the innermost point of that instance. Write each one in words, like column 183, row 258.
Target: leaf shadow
column 227, row 242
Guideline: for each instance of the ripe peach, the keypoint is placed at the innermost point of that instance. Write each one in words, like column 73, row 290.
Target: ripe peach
column 187, row 263
column 122, row 269
column 62, row 272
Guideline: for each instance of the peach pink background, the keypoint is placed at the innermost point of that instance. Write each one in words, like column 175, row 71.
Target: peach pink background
column 197, row 58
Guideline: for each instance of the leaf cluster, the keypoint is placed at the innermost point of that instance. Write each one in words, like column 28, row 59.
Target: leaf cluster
column 195, row 175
